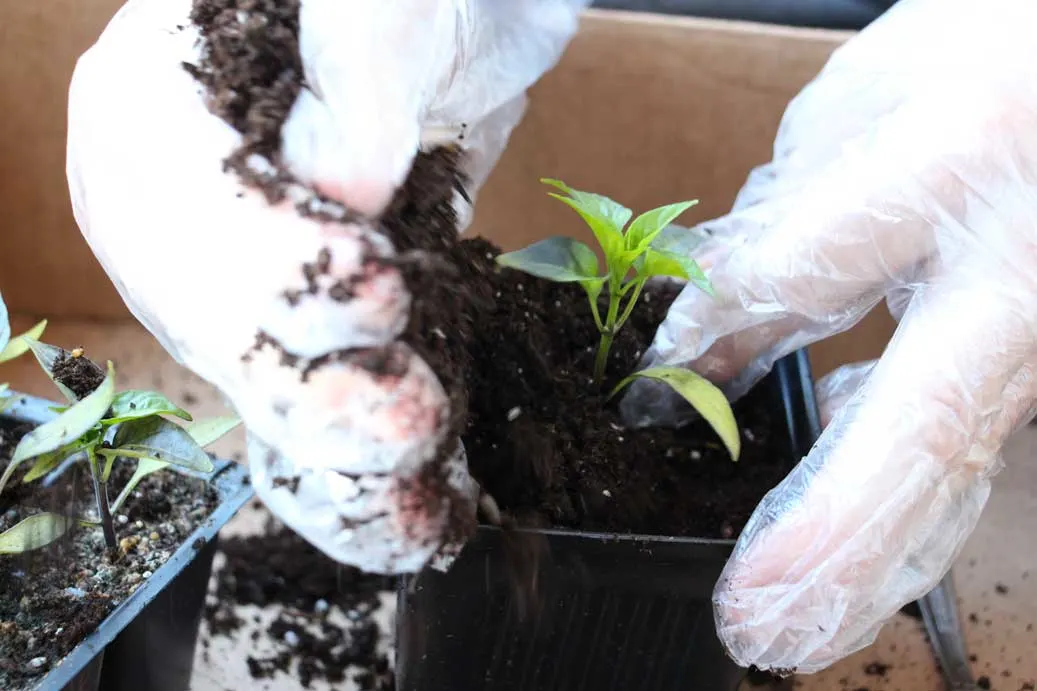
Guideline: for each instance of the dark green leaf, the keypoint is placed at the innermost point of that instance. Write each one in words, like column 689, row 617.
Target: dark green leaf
column 205, row 432
column 130, row 405
column 66, row 428
column 158, row 438
column 650, row 224
column 34, row 532
column 703, row 395
column 605, row 217
column 18, row 345
column 558, row 259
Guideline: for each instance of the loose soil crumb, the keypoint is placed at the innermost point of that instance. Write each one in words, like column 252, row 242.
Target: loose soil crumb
column 876, row 669
column 80, row 374
column 53, row 598
column 325, row 627
column 501, row 341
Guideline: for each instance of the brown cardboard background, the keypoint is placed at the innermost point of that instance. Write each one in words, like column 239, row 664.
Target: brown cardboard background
column 643, row 108
column 45, row 265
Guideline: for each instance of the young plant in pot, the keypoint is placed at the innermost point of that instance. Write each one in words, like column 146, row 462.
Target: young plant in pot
column 108, row 517
column 602, row 544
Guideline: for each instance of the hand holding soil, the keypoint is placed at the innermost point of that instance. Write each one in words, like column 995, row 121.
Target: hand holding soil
column 900, row 173
column 210, row 184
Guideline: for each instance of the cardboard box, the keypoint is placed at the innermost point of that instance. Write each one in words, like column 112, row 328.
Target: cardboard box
column 644, row 108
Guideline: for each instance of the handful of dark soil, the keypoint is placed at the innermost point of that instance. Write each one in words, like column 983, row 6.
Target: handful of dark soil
column 514, row 353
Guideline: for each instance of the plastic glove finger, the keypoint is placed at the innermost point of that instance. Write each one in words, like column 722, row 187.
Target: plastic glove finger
column 809, row 265
column 139, row 137
column 875, row 515
column 371, row 69
column 380, row 523
column 504, row 48
column 838, row 387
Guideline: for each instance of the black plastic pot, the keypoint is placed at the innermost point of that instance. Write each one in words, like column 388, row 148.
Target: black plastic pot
column 147, row 643
column 612, row 612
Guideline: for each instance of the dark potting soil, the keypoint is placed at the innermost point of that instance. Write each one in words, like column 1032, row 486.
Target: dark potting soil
column 325, row 625
column 52, row 598
column 513, row 352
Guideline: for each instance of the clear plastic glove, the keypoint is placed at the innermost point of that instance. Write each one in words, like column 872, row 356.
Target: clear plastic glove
column 345, row 455
column 908, row 171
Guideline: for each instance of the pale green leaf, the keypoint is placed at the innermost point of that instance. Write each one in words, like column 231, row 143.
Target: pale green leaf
column 34, row 532
column 130, row 405
column 145, row 467
column 205, row 432
column 658, row 263
column 66, row 428
column 19, row 345
column 650, row 224
column 605, row 217
column 703, row 395
column 558, row 259
column 158, row 438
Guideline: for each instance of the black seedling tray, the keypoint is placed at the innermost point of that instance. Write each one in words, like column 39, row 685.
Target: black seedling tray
column 612, row 612
column 147, row 643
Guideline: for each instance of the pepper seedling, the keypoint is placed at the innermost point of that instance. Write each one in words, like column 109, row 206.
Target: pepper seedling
column 101, row 427
column 634, row 252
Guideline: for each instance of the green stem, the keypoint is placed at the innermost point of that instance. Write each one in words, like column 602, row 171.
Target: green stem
column 630, row 304
column 608, row 332
column 594, row 311
column 101, row 497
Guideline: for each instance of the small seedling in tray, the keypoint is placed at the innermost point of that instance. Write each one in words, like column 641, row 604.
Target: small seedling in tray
column 634, row 252
column 98, row 427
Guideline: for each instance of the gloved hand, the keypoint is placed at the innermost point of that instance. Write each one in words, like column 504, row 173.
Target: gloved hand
column 906, row 170
column 343, row 448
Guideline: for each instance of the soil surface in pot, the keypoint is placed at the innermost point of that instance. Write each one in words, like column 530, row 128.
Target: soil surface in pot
column 320, row 619
column 514, row 353
column 51, row 599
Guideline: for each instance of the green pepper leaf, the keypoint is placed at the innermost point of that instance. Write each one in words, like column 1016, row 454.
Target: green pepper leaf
column 49, row 461
column 48, row 356
column 703, row 395
column 558, row 259
column 18, row 345
column 205, row 432
column 658, row 263
column 605, row 217
column 158, row 438
column 34, row 532
column 678, row 240
column 650, row 224
column 130, row 405
column 66, row 428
